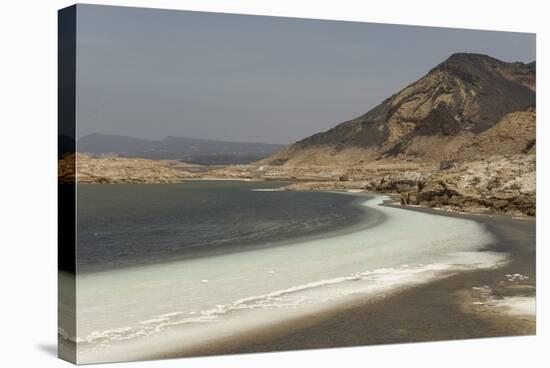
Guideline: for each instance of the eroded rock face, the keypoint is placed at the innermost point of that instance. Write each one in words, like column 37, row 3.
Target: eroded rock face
column 459, row 99
column 462, row 137
column 515, row 133
column 396, row 183
column 120, row 170
column 498, row 184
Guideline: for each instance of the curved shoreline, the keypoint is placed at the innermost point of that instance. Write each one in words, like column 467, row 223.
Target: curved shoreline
column 367, row 218
column 296, row 320
column 442, row 309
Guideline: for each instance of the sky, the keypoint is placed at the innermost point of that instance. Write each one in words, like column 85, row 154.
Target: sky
column 150, row 73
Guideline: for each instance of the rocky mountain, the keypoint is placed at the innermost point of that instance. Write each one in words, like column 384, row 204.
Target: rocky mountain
column 463, row 138
column 467, row 101
column 199, row 151
column 514, row 134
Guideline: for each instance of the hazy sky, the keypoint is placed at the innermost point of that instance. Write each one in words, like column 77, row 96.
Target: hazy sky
column 152, row 73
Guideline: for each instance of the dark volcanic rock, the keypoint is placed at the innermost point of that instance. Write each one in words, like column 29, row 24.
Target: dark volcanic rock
column 462, row 97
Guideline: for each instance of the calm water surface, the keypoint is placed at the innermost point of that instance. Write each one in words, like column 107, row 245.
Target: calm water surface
column 133, row 224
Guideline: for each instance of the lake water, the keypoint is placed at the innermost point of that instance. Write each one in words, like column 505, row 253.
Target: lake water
column 167, row 267
column 128, row 225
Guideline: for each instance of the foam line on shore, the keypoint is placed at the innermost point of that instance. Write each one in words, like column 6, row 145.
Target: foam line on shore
column 405, row 250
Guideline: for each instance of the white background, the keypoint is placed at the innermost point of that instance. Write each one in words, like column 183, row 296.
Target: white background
column 28, row 155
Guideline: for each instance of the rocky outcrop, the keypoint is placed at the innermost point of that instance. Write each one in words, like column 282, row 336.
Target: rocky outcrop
column 114, row 170
column 499, row 184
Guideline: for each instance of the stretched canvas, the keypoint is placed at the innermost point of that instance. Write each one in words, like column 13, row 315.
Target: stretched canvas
column 236, row 184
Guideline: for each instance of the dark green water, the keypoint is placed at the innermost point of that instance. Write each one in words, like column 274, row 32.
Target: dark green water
column 132, row 224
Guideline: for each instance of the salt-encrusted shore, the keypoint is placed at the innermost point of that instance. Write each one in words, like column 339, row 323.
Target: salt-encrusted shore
column 460, row 300
column 401, row 253
column 470, row 304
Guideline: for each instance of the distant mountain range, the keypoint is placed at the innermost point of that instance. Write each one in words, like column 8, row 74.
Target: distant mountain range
column 467, row 107
column 462, row 137
column 193, row 150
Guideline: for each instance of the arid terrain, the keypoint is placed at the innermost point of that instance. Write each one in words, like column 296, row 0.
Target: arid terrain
column 462, row 137
column 113, row 170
